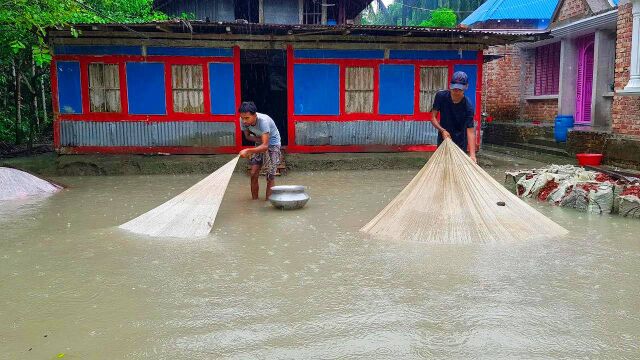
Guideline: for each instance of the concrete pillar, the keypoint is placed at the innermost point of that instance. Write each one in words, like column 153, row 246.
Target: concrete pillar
column 603, row 65
column 568, row 73
column 634, row 80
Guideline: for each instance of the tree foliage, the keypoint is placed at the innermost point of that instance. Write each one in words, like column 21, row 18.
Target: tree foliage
column 24, row 54
column 416, row 12
column 441, row 18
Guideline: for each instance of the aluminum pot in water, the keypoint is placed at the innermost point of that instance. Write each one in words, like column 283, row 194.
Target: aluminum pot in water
column 289, row 197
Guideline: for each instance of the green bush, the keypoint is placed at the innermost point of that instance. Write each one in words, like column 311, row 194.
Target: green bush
column 441, row 18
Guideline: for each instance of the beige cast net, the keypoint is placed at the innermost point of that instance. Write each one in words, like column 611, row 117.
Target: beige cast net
column 191, row 213
column 452, row 200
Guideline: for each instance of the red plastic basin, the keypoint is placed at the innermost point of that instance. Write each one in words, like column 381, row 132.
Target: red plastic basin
column 589, row 159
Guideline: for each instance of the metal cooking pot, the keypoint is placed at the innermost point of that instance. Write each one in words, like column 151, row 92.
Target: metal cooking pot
column 288, row 197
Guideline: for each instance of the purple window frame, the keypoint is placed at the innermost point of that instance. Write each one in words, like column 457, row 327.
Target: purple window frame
column 547, row 69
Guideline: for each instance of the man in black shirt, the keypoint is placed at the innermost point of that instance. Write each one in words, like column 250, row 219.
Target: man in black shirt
column 456, row 115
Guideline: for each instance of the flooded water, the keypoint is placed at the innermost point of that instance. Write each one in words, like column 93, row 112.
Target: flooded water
column 303, row 284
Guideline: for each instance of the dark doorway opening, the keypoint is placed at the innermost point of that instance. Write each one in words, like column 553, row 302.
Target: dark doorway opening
column 247, row 10
column 263, row 75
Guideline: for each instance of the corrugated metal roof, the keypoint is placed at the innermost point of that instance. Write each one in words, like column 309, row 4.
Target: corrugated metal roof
column 203, row 28
column 512, row 10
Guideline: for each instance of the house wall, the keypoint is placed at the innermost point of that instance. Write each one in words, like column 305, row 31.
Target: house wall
column 541, row 110
column 317, row 120
column 625, row 111
column 509, row 91
column 281, row 12
column 146, row 121
column 572, row 9
column 215, row 10
column 605, row 45
column 502, row 84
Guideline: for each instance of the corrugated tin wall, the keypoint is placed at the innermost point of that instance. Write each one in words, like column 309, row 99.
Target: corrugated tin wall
column 365, row 133
column 125, row 133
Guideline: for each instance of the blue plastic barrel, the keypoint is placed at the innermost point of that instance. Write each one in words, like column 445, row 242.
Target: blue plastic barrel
column 562, row 125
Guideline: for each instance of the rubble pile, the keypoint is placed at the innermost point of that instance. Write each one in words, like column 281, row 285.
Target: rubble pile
column 574, row 187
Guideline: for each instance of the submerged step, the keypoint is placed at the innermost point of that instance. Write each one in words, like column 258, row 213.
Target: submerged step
column 539, row 148
column 543, row 141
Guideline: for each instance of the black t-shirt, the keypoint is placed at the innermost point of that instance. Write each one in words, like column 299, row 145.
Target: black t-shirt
column 455, row 118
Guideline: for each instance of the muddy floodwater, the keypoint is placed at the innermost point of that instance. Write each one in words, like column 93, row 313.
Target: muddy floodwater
column 304, row 284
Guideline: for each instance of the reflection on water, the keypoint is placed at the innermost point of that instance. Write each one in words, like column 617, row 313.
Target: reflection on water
column 304, row 284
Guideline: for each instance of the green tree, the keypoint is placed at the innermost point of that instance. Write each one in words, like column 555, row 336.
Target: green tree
column 415, row 12
column 441, row 18
column 24, row 54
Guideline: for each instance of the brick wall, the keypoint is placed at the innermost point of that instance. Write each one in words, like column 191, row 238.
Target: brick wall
column 541, row 110
column 625, row 110
column 572, row 9
column 508, row 81
column 501, row 86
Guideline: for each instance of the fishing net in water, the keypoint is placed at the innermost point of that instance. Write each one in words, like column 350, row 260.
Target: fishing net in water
column 452, row 200
column 189, row 214
column 17, row 184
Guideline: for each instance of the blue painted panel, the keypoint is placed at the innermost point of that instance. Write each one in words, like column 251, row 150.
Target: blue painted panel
column 472, row 73
column 338, row 54
column 433, row 55
column 316, row 89
column 69, row 92
column 223, row 95
column 145, row 88
column 189, row 51
column 397, row 84
column 97, row 50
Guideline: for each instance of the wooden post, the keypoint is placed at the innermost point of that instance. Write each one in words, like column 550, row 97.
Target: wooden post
column 35, row 94
column 44, row 100
column 18, row 100
column 324, row 12
column 301, row 11
column 261, row 11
